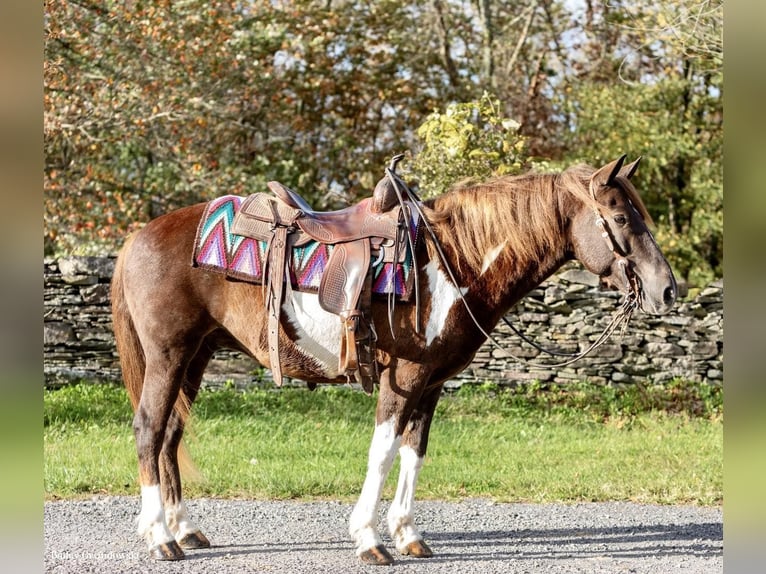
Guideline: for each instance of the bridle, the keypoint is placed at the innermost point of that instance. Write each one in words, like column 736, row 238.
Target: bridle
column 630, row 279
column 622, row 314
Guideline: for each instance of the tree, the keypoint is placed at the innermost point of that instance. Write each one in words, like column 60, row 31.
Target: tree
column 470, row 140
column 150, row 105
column 663, row 100
column 153, row 105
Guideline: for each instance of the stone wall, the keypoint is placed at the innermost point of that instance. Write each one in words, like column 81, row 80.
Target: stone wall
column 567, row 312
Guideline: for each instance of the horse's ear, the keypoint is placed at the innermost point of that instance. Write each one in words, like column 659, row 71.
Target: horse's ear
column 605, row 175
column 628, row 170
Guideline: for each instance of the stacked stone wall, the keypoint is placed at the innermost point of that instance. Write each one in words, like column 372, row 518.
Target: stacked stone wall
column 566, row 312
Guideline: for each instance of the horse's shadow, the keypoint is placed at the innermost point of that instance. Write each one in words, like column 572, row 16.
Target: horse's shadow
column 700, row 540
column 628, row 542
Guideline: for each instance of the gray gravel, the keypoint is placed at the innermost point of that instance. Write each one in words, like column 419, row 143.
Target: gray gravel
column 476, row 536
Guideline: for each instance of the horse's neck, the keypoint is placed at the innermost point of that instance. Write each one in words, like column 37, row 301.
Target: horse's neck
column 507, row 281
column 507, row 275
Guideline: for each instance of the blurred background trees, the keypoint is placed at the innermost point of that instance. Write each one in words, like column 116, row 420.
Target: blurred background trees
column 153, row 105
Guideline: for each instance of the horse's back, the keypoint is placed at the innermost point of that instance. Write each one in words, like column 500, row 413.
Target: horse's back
column 183, row 303
column 159, row 281
column 168, row 236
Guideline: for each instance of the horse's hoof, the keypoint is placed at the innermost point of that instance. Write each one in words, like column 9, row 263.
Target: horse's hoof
column 194, row 540
column 418, row 549
column 377, row 556
column 167, row 551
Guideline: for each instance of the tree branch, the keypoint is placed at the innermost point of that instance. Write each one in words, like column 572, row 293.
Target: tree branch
column 446, row 48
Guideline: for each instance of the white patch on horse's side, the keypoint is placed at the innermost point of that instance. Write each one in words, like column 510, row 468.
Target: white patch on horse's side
column 318, row 332
column 151, row 521
column 401, row 512
column 177, row 518
column 490, row 256
column 443, row 296
column 364, row 518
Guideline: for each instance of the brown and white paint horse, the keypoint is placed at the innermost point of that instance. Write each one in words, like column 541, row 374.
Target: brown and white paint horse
column 502, row 238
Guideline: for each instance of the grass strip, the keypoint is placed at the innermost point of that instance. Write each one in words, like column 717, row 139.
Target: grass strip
column 576, row 443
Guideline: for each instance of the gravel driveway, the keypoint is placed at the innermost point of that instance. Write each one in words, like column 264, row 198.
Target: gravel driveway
column 476, row 536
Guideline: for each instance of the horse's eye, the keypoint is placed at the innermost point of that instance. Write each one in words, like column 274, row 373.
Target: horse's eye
column 620, row 219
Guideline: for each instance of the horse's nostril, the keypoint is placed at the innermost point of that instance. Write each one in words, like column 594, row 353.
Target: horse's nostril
column 669, row 295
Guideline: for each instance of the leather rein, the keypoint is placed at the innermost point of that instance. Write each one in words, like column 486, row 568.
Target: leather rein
column 620, row 319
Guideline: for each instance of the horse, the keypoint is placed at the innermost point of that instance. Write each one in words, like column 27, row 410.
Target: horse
column 500, row 238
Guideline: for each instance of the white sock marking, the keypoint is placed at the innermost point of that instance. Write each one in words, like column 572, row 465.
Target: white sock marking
column 151, row 521
column 401, row 511
column 443, row 297
column 177, row 518
column 362, row 525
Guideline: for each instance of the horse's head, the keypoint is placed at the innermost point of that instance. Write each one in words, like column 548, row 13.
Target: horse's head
column 611, row 239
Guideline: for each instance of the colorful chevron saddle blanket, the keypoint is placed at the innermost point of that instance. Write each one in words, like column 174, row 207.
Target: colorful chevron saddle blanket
column 218, row 249
column 347, row 256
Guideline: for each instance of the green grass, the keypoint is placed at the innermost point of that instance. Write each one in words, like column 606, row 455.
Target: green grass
column 580, row 442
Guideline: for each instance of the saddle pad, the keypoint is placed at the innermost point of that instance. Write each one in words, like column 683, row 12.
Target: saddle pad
column 219, row 250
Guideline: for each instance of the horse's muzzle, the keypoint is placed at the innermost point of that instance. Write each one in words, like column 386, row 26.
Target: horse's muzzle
column 658, row 295
column 663, row 303
column 655, row 296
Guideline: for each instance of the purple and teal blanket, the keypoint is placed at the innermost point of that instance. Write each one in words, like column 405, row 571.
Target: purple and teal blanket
column 217, row 249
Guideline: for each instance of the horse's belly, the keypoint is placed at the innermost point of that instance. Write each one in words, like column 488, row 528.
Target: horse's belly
column 317, row 332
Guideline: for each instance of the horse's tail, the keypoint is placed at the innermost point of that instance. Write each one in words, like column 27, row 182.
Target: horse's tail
column 129, row 349
column 133, row 360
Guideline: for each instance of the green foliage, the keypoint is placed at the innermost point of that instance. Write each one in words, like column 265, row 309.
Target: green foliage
column 599, row 402
column 661, row 97
column 681, row 177
column 467, row 140
column 150, row 106
column 86, row 403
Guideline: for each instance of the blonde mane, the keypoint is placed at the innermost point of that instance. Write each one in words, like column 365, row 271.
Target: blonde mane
column 524, row 211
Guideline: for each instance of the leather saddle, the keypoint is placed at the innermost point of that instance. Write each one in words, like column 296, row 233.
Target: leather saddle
column 377, row 225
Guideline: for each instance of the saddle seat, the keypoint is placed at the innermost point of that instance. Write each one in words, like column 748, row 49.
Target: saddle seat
column 358, row 221
column 285, row 220
column 384, row 198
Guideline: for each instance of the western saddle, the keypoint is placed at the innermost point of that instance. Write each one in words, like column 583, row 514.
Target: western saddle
column 377, row 225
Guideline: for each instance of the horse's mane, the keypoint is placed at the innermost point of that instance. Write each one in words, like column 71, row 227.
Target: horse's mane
column 522, row 210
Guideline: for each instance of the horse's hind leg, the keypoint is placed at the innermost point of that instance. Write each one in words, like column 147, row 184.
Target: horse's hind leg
column 186, row 533
column 165, row 371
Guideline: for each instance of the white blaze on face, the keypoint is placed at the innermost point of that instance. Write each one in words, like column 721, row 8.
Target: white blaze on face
column 318, row 332
column 443, row 297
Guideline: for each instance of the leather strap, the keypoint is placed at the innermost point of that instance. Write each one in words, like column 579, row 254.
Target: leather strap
column 276, row 283
column 366, row 338
column 348, row 360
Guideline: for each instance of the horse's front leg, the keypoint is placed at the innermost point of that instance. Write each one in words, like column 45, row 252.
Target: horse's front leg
column 400, row 386
column 412, row 451
column 364, row 518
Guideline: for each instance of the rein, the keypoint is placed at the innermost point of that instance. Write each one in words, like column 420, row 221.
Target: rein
column 620, row 319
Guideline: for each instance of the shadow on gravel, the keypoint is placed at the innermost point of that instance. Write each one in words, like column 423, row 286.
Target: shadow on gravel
column 699, row 540
column 693, row 540
column 279, row 547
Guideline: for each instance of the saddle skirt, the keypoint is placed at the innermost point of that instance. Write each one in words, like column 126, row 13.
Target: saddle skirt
column 219, row 249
